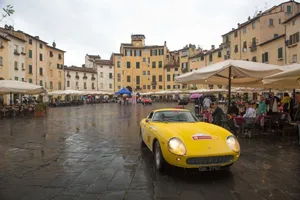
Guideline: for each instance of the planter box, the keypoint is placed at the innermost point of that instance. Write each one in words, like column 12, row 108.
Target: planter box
column 39, row 114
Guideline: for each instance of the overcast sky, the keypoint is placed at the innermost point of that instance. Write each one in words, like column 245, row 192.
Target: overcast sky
column 99, row 26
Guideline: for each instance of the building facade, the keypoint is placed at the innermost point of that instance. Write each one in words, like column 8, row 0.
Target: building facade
column 4, row 57
column 80, row 78
column 139, row 66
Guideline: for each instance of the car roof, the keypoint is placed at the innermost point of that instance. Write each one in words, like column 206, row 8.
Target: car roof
column 170, row 109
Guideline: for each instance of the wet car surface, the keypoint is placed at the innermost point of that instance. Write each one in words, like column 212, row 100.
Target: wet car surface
column 92, row 152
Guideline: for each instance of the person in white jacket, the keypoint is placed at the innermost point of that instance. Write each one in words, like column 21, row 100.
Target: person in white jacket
column 250, row 111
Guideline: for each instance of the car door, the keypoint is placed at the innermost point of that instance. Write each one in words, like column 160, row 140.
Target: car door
column 146, row 130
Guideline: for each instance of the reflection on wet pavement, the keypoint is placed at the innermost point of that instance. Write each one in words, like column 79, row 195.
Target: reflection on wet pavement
column 92, row 152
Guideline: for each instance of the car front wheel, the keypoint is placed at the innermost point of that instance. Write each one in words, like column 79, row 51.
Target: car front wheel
column 158, row 157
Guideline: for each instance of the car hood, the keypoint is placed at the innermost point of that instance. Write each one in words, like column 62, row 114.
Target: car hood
column 197, row 137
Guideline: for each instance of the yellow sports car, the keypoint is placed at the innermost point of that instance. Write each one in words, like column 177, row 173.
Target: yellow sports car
column 176, row 137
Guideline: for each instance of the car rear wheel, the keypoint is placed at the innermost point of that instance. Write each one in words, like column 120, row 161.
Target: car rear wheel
column 158, row 158
column 141, row 139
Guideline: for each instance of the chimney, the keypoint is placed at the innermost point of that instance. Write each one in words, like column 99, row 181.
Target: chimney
column 54, row 44
column 213, row 47
column 37, row 37
column 239, row 24
column 249, row 18
column 165, row 43
column 233, row 29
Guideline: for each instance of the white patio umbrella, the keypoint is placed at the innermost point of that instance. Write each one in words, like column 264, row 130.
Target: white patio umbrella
column 66, row 92
column 230, row 72
column 19, row 87
column 288, row 79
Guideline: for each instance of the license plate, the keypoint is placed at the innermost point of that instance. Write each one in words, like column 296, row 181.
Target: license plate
column 212, row 168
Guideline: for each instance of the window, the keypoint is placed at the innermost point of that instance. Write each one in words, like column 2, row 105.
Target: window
column 110, row 86
column 110, row 75
column 30, row 54
column 84, row 85
column 245, row 29
column 271, row 22
column 148, row 73
column 236, row 48
column 202, row 57
column 137, row 52
column 294, row 38
column 275, row 35
column 41, row 57
column 119, row 77
column 235, row 34
column 41, row 83
column 119, row 64
column 168, row 69
column 148, row 87
column 146, row 51
column 30, row 80
column 153, row 64
column 144, row 87
column 41, row 45
column 76, row 84
column 295, row 58
column 68, row 83
column 128, row 79
column 160, row 87
column 101, row 74
column 168, row 77
column 174, row 75
column 16, row 65
column 279, row 21
column 254, row 59
column 137, row 65
column 294, row 22
column 148, row 60
column 144, row 59
column 16, row 78
column 144, row 73
column 245, row 46
column 59, row 56
column 174, row 86
column 160, row 78
column 153, row 78
column 93, row 85
column 176, row 69
column 41, row 71
column 59, row 74
column 128, row 64
column 30, row 41
column 160, row 52
column 220, row 54
column 265, row 57
column 253, row 25
column 154, row 87
column 137, row 80
column 30, row 69
column 168, row 86
column 153, row 52
column 280, row 54
column 184, row 53
column 1, row 61
column 128, row 52
column 289, row 9
column 210, row 57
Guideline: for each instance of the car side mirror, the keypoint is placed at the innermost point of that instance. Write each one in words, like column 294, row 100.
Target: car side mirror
column 147, row 120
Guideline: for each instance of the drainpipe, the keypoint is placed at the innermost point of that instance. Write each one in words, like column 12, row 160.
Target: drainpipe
column 240, row 46
column 285, row 54
column 36, row 64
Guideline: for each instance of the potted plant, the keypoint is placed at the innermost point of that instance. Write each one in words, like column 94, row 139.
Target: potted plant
column 45, row 107
column 39, row 110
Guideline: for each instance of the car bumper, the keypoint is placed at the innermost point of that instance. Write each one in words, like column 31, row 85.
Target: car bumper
column 201, row 160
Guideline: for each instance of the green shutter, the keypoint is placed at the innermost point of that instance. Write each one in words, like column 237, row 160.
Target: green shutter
column 263, row 58
column 150, row 52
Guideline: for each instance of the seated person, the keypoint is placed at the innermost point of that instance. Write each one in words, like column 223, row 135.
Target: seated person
column 233, row 110
column 250, row 111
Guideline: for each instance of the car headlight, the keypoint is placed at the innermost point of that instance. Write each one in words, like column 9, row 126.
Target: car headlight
column 233, row 143
column 176, row 146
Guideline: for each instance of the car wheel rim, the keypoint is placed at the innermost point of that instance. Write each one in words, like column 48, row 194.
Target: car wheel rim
column 157, row 155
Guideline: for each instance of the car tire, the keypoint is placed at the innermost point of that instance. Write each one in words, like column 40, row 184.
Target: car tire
column 142, row 143
column 159, row 160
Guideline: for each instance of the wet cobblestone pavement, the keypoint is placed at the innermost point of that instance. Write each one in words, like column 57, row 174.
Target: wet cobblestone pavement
column 92, row 152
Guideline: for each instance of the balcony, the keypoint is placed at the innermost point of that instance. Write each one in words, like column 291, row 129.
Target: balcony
column 23, row 53
column 253, row 48
column 69, row 76
column 16, row 52
column 184, row 69
column 16, row 68
column 93, row 78
column 226, row 44
column 23, row 69
column 153, row 83
column 85, row 77
column 77, row 77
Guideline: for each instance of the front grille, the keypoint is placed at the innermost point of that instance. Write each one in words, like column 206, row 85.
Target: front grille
column 209, row 160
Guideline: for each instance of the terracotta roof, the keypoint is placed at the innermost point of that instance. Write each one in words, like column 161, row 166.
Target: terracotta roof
column 144, row 47
column 11, row 35
column 104, row 62
column 94, row 56
column 4, row 38
column 275, row 38
column 126, row 44
column 32, row 37
column 291, row 18
column 56, row 48
column 81, row 69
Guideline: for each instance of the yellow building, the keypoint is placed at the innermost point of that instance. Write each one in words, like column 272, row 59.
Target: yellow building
column 4, row 58
column 171, row 70
column 138, row 66
column 260, row 39
column 292, row 37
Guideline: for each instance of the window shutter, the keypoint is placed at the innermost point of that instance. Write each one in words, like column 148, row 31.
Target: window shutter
column 140, row 52
column 156, row 52
column 291, row 40
column 131, row 52
column 297, row 37
column 266, row 57
column 134, row 52
column 263, row 58
column 150, row 52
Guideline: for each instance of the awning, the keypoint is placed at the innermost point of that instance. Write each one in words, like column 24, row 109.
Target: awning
column 19, row 87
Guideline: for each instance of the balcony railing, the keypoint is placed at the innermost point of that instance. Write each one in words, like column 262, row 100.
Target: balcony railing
column 23, row 53
column 68, row 75
column 184, row 69
column 85, row 77
column 154, row 83
column 93, row 78
column 16, row 68
column 16, row 52
column 253, row 48
column 77, row 77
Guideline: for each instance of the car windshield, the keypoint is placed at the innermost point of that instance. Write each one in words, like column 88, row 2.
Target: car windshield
column 174, row 116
